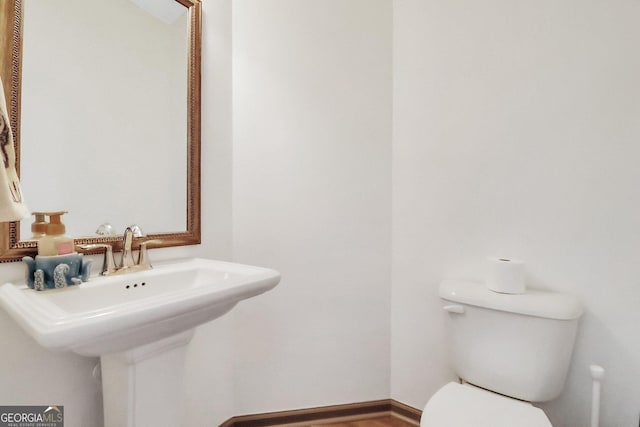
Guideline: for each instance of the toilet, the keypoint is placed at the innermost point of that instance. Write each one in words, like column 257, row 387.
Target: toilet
column 508, row 351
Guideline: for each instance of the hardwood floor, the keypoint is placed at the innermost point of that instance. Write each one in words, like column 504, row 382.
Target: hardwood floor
column 373, row 422
column 375, row 413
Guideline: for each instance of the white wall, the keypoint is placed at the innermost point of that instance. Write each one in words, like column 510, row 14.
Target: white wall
column 311, row 197
column 516, row 133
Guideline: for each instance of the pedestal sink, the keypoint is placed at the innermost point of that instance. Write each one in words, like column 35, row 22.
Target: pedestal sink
column 139, row 325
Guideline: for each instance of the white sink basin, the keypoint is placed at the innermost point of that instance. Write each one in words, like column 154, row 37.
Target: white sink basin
column 116, row 313
column 140, row 325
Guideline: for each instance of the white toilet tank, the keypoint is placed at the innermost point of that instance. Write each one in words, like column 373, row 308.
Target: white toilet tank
column 516, row 345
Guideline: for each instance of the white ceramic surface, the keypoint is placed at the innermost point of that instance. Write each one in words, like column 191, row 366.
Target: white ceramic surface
column 463, row 405
column 516, row 345
column 114, row 314
column 533, row 302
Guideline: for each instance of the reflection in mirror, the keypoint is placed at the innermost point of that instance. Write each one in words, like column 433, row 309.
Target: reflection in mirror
column 103, row 128
column 104, row 114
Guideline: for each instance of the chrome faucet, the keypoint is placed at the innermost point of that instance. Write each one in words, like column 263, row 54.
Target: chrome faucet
column 127, row 263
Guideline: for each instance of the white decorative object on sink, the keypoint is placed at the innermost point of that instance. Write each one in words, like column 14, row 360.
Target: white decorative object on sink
column 139, row 324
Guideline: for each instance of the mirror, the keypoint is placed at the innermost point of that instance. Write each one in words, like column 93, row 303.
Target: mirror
column 105, row 106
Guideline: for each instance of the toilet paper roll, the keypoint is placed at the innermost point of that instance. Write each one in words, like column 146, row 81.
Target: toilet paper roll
column 505, row 275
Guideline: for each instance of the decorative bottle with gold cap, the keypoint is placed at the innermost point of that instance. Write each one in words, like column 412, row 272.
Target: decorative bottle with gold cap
column 54, row 242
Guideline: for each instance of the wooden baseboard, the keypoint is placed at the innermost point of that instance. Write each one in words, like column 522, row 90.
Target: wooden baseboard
column 334, row 413
column 406, row 412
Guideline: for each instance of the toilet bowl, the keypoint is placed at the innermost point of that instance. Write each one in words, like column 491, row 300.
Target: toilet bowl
column 508, row 350
column 458, row 405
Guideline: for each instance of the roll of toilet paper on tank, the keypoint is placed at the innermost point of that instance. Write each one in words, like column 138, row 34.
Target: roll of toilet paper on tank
column 505, row 275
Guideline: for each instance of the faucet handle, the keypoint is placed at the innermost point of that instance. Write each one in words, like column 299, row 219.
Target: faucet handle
column 143, row 256
column 109, row 264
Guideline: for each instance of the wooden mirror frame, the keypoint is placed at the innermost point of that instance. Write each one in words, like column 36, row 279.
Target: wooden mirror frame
column 11, row 23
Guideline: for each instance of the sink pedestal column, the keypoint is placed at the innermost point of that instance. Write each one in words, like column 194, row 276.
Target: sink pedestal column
column 143, row 386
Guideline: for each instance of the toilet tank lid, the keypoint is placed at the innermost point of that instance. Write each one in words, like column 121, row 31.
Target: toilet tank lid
column 548, row 305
